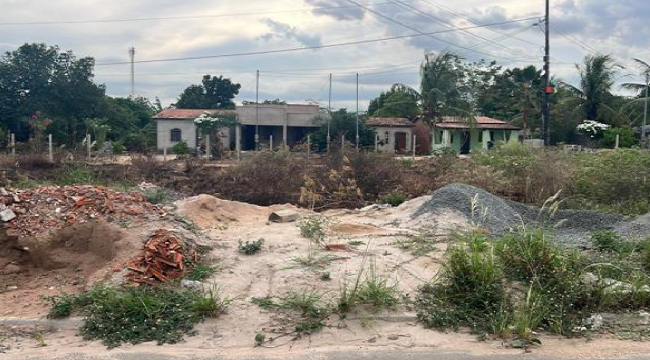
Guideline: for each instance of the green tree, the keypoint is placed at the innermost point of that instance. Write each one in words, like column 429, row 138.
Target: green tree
column 343, row 123
column 37, row 78
column 400, row 101
column 441, row 86
column 213, row 93
column 593, row 99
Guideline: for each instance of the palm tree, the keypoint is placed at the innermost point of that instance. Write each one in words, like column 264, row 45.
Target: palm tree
column 593, row 99
column 642, row 92
column 441, row 77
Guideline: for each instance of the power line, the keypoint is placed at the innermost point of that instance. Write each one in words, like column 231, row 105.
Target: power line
column 188, row 17
column 448, row 24
column 357, row 42
column 452, row 11
column 429, row 34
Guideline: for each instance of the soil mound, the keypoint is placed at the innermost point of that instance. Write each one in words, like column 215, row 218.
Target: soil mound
column 83, row 247
column 207, row 211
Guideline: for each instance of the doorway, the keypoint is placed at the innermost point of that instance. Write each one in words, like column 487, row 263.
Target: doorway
column 466, row 140
column 400, row 142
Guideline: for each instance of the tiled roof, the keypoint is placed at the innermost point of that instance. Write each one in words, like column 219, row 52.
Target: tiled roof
column 481, row 122
column 190, row 114
column 389, row 122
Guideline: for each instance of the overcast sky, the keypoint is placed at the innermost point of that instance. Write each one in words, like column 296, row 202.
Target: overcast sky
column 619, row 27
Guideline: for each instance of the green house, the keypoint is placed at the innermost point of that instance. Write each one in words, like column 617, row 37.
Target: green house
column 467, row 135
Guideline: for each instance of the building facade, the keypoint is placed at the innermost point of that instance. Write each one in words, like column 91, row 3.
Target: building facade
column 275, row 124
column 393, row 134
column 467, row 135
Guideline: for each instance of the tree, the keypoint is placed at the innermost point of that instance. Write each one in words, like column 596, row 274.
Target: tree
column 343, row 123
column 213, row 93
column 212, row 126
column 37, row 78
column 442, row 77
column 400, row 101
column 593, row 98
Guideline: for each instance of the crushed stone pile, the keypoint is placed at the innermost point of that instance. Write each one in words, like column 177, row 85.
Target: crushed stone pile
column 499, row 216
column 162, row 259
column 42, row 209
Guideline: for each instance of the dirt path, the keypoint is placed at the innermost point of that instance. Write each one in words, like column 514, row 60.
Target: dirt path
column 372, row 237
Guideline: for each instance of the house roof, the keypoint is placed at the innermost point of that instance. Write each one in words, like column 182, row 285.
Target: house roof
column 190, row 114
column 481, row 122
column 389, row 122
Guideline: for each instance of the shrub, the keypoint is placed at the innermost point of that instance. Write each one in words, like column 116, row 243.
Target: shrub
column 315, row 228
column 251, row 247
column 627, row 138
column 393, row 199
column 445, row 302
column 139, row 314
column 612, row 181
column 74, row 174
column 181, row 148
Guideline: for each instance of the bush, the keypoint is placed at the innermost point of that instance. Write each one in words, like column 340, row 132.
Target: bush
column 612, row 181
column 251, row 247
column 393, row 199
column 445, row 302
column 181, row 148
column 139, row 314
column 627, row 138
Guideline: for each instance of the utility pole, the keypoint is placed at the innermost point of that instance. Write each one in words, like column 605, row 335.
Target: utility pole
column 132, row 56
column 357, row 111
column 329, row 111
column 645, row 110
column 257, row 111
column 547, row 78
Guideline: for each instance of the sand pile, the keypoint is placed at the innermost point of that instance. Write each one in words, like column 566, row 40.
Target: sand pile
column 207, row 211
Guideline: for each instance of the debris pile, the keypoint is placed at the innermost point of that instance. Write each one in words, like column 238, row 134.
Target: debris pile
column 163, row 259
column 41, row 209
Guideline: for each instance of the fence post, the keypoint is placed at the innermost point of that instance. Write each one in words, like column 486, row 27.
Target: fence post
column 13, row 144
column 414, row 145
column 271, row 142
column 88, row 146
column 308, row 146
column 207, row 147
column 164, row 151
column 49, row 147
column 343, row 143
column 618, row 140
column 376, row 142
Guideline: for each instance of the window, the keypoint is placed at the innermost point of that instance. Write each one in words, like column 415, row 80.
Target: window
column 491, row 135
column 480, row 136
column 452, row 138
column 175, row 135
column 508, row 134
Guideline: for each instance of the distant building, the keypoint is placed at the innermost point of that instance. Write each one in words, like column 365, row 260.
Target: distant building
column 394, row 134
column 464, row 135
column 287, row 123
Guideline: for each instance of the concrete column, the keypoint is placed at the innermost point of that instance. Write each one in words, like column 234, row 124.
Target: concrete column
column 446, row 138
column 49, row 148
column 285, row 135
column 207, row 147
column 238, row 140
column 486, row 138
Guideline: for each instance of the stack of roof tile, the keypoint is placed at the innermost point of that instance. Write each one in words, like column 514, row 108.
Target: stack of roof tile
column 41, row 209
column 163, row 259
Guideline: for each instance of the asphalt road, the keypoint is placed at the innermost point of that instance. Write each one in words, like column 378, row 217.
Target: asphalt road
column 350, row 355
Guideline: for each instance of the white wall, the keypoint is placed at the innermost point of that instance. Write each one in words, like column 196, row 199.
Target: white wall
column 389, row 144
column 188, row 132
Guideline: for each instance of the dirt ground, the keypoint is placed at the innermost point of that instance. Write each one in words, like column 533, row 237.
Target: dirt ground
column 372, row 237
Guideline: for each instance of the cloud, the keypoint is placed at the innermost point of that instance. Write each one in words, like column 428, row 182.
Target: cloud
column 347, row 12
column 282, row 31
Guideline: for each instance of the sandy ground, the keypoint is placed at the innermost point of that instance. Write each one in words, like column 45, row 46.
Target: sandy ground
column 274, row 272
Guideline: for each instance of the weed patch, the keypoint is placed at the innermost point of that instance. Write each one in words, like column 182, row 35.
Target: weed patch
column 251, row 247
column 139, row 314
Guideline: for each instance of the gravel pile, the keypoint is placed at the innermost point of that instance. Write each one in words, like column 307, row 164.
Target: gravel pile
column 572, row 227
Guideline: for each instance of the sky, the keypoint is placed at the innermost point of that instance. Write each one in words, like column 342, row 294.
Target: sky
column 172, row 29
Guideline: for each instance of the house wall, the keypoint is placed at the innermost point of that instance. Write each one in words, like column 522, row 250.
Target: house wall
column 164, row 127
column 478, row 138
column 387, row 137
column 279, row 115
